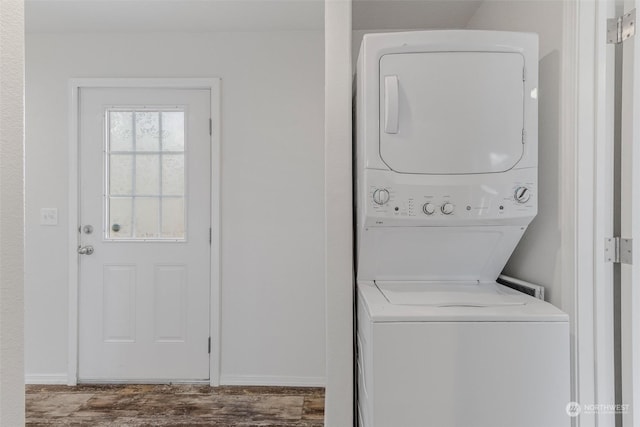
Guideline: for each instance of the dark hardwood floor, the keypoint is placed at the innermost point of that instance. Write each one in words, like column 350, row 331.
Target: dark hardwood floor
column 173, row 405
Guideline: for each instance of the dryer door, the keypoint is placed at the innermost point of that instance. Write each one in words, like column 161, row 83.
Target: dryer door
column 451, row 112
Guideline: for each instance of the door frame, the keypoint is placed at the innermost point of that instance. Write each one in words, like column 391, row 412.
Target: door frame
column 212, row 84
column 587, row 157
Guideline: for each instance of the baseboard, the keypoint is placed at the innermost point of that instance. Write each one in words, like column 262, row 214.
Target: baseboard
column 268, row 380
column 46, row 379
column 248, row 380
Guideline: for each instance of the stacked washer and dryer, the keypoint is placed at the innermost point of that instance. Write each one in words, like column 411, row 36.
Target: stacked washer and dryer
column 446, row 185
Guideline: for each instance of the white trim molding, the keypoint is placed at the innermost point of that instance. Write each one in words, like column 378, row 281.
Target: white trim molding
column 273, row 380
column 44, row 379
column 212, row 84
column 603, row 205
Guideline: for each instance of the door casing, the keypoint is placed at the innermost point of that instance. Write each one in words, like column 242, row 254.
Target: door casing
column 212, row 84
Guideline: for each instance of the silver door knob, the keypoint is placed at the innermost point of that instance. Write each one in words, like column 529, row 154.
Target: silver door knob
column 85, row 250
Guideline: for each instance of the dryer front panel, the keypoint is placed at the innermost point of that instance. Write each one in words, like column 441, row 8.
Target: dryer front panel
column 452, row 112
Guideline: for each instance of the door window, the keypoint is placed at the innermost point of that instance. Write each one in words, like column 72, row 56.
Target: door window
column 145, row 158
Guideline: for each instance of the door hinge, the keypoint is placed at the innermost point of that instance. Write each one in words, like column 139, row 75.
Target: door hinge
column 524, row 136
column 210, row 127
column 618, row 250
column 209, row 235
column 209, row 345
column 621, row 28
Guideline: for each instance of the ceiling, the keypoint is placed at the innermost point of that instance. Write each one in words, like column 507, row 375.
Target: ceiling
column 67, row 16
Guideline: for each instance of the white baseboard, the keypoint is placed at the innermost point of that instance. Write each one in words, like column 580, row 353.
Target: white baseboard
column 268, row 380
column 46, row 379
column 248, row 380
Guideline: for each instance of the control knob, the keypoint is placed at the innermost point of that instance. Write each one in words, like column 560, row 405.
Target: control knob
column 522, row 194
column 381, row 196
column 428, row 208
column 447, row 208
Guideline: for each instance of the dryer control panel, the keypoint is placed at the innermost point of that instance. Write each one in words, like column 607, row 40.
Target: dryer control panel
column 464, row 200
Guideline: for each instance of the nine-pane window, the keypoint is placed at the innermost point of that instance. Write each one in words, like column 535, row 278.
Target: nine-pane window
column 145, row 157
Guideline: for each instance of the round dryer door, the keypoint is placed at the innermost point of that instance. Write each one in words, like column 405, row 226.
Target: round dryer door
column 451, row 112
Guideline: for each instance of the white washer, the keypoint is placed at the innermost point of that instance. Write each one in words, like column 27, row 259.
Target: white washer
column 459, row 354
column 446, row 185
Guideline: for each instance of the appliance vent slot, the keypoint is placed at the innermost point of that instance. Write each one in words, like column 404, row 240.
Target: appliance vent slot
column 522, row 286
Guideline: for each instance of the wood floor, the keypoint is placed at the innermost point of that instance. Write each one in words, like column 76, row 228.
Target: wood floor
column 174, row 405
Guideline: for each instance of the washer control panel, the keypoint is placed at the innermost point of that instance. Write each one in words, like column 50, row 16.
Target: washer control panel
column 451, row 202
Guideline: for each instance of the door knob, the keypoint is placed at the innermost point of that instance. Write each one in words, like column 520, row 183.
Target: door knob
column 85, row 250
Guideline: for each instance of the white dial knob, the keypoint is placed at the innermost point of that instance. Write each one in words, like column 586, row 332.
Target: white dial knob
column 428, row 208
column 381, row 196
column 522, row 195
column 447, row 208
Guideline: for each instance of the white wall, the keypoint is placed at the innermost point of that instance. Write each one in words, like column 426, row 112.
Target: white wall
column 11, row 213
column 538, row 256
column 273, row 309
column 339, row 215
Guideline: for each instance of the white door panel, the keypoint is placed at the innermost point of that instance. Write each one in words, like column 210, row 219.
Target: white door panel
column 630, row 228
column 145, row 211
column 426, row 97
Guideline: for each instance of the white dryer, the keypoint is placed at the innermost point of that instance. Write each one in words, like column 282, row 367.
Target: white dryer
column 446, row 184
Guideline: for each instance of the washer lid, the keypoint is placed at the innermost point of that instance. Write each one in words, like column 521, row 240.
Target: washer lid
column 452, row 294
column 452, row 302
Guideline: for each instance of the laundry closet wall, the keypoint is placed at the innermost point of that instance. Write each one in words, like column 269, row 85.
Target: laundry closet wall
column 272, row 201
column 538, row 257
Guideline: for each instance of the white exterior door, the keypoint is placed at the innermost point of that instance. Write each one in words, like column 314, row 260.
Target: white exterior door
column 630, row 229
column 144, row 254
